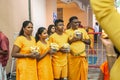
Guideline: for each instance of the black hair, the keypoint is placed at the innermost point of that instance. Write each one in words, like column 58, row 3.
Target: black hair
column 72, row 18
column 25, row 24
column 39, row 31
column 57, row 21
column 49, row 29
column 117, row 51
column 68, row 26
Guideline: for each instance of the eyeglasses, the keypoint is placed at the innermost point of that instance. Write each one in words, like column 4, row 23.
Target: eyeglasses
column 77, row 22
column 61, row 25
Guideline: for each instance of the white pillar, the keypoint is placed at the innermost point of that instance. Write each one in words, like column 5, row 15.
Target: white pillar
column 38, row 14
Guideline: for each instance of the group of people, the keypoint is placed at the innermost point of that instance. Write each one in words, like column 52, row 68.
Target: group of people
column 58, row 66
column 43, row 63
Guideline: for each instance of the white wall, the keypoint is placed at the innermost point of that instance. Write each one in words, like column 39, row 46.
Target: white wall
column 38, row 14
column 12, row 14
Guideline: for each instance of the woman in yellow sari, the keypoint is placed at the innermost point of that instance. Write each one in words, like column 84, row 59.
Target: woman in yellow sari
column 26, row 60
column 44, row 65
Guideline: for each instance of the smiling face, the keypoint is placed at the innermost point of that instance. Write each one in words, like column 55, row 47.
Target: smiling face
column 28, row 29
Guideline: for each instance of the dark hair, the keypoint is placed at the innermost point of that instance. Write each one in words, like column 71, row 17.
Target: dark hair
column 49, row 29
column 25, row 24
column 39, row 31
column 72, row 18
column 68, row 26
column 117, row 51
column 57, row 21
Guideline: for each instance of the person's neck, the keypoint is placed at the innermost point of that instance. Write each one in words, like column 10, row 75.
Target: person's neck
column 43, row 41
column 59, row 32
column 27, row 36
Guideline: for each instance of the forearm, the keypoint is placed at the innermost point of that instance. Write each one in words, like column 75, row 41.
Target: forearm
column 86, row 41
column 18, row 55
column 108, row 18
column 42, row 56
column 73, row 40
column 111, row 56
column 111, row 60
column 3, row 52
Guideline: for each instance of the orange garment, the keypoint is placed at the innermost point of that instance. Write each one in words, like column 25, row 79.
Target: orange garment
column 77, row 64
column 77, row 67
column 91, row 35
column 59, row 58
column 105, row 70
column 44, row 65
column 26, row 68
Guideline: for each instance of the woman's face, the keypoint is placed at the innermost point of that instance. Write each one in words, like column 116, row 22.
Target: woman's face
column 28, row 29
column 44, row 34
column 53, row 29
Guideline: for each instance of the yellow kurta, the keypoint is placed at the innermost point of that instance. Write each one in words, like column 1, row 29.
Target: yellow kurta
column 108, row 18
column 26, row 67
column 78, row 65
column 115, row 71
column 44, row 65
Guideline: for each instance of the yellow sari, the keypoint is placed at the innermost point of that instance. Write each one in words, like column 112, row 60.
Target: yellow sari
column 44, row 65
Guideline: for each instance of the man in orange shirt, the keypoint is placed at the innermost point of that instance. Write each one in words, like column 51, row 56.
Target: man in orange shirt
column 59, row 59
column 77, row 63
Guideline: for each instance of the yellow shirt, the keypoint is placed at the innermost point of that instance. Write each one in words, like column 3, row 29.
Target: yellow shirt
column 59, row 58
column 108, row 18
column 25, row 66
column 115, row 71
column 44, row 65
column 78, row 46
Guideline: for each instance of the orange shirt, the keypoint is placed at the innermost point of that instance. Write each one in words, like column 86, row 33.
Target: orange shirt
column 105, row 70
column 59, row 58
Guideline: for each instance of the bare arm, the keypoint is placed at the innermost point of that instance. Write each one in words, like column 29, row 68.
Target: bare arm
column 3, row 52
column 110, row 53
column 15, row 53
column 42, row 56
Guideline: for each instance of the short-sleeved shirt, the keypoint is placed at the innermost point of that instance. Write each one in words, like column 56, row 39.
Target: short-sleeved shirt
column 4, row 45
column 26, row 68
column 59, row 58
column 78, row 46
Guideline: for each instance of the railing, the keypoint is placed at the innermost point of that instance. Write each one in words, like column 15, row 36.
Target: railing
column 95, row 52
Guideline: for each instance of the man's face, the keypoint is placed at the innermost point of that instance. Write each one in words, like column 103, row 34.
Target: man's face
column 60, row 26
column 75, row 23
